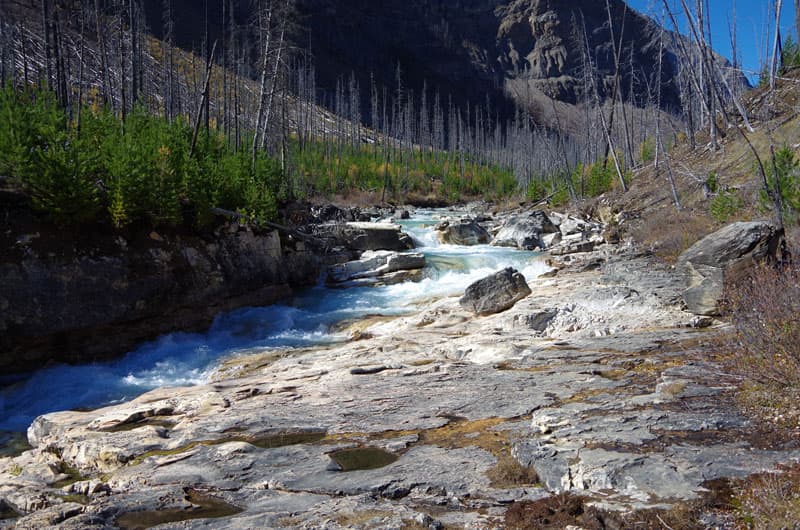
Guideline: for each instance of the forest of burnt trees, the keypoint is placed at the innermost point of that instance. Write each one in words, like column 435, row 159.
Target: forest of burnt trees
column 245, row 107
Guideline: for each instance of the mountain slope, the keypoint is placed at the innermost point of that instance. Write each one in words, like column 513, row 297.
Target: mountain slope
column 506, row 53
column 475, row 48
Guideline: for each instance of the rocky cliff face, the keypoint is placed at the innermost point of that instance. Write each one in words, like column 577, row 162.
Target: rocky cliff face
column 69, row 296
column 474, row 49
column 503, row 51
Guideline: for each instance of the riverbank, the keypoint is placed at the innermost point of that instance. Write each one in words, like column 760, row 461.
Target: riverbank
column 598, row 383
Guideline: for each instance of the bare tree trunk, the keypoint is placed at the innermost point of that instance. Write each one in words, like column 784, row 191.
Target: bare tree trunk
column 207, row 106
column 773, row 71
column 45, row 6
column 659, row 140
column 132, row 28
column 797, row 17
column 712, row 68
column 263, row 89
column 101, row 40
column 203, row 99
column 603, row 122
column 617, row 51
column 24, row 40
column 274, row 80
column 123, row 105
column 80, row 70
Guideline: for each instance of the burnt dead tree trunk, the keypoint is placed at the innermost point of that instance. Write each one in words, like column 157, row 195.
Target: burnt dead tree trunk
column 203, row 99
column 263, row 85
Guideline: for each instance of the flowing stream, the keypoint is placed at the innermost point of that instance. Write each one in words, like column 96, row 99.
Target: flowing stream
column 307, row 319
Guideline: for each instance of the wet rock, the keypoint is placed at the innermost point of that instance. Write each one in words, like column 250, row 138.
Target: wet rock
column 373, row 265
column 463, row 232
column 376, row 236
column 495, row 293
column 526, row 231
column 137, row 292
column 725, row 255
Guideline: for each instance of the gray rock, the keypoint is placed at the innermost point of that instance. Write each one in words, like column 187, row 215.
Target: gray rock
column 331, row 213
column 537, row 321
column 495, row 293
column 573, row 247
column 377, row 236
column 525, row 231
column 373, row 265
column 463, row 232
column 725, row 255
column 551, row 466
column 572, row 225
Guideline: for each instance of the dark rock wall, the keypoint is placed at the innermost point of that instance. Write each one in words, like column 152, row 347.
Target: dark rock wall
column 63, row 299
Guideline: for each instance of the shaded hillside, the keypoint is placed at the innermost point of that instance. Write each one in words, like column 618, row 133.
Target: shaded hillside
column 479, row 47
column 471, row 50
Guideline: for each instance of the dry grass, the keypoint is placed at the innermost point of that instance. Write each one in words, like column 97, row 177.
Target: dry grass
column 668, row 232
column 765, row 312
column 770, row 501
column 461, row 434
column 358, row 519
column 566, row 509
column 509, row 473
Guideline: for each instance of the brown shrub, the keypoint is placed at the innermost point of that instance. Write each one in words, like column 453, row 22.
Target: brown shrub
column 771, row 500
column 567, row 509
column 765, row 312
column 508, row 472
column 558, row 511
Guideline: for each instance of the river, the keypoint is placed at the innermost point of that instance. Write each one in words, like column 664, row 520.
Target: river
column 307, row 319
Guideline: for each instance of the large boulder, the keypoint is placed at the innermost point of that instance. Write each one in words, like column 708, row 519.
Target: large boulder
column 723, row 256
column 378, row 236
column 525, row 231
column 463, row 232
column 379, row 267
column 495, row 293
column 328, row 213
column 363, row 236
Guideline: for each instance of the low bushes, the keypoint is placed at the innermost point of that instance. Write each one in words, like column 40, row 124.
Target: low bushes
column 325, row 168
column 584, row 181
column 141, row 171
column 138, row 171
column 725, row 206
column 765, row 312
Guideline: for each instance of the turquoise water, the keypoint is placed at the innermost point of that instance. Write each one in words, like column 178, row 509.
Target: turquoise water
column 308, row 319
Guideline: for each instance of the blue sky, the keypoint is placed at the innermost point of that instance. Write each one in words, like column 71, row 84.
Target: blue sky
column 752, row 29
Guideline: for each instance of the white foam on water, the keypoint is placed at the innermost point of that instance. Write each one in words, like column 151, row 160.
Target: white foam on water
column 189, row 358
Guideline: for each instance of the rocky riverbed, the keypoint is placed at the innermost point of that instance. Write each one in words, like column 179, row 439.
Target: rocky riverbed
column 597, row 383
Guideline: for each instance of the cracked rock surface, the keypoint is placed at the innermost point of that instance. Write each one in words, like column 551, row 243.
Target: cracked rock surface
column 598, row 381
